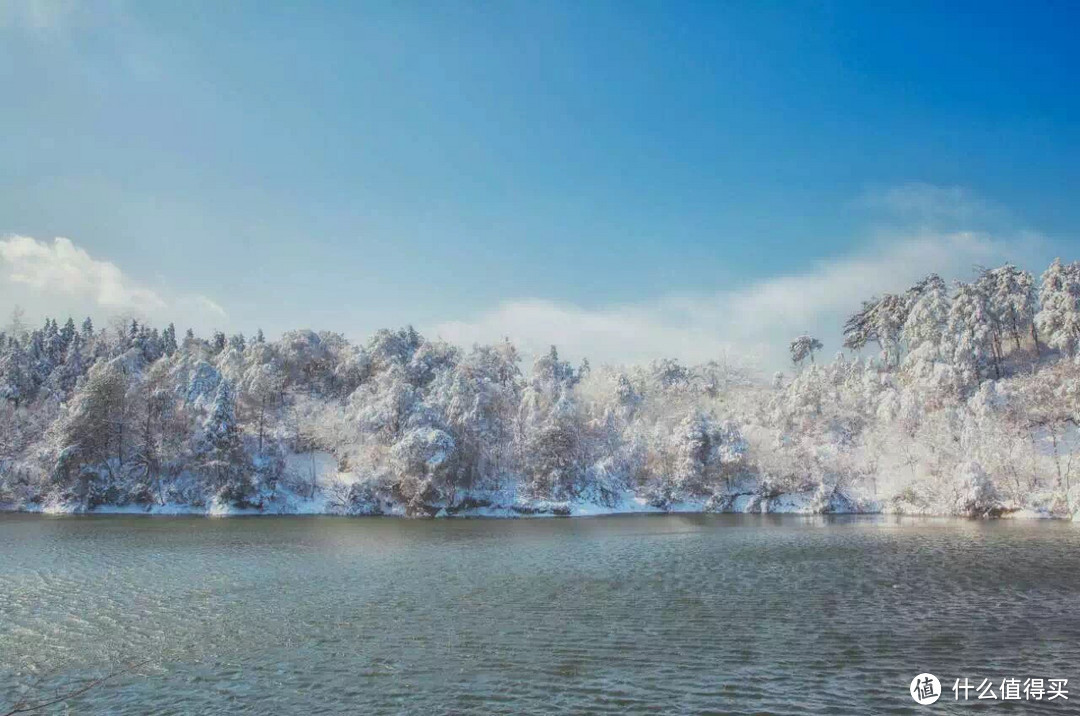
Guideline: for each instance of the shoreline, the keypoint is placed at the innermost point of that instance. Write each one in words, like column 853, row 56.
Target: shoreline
column 503, row 512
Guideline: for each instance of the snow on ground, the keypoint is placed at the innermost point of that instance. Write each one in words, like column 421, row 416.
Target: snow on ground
column 290, row 503
column 312, row 484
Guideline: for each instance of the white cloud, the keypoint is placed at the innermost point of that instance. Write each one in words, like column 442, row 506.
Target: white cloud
column 204, row 304
column 937, row 208
column 58, row 26
column 46, row 15
column 60, row 278
column 754, row 322
column 64, row 268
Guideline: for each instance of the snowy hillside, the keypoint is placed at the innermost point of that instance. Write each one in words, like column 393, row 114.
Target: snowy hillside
column 968, row 407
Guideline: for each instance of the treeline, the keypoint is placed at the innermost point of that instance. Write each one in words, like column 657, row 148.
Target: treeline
column 969, row 407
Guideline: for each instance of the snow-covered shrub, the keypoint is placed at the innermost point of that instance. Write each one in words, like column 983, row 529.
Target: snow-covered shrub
column 976, row 495
column 423, row 462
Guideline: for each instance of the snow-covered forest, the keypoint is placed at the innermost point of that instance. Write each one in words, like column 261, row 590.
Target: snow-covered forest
column 947, row 400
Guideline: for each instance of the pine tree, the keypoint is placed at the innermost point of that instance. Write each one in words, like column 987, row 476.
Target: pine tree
column 131, row 340
column 92, row 431
column 970, row 331
column 1059, row 318
column 880, row 320
column 40, row 365
column 693, row 448
column 153, row 399
column 928, row 315
column 73, row 368
column 1012, row 300
column 168, row 340
column 16, row 375
column 221, row 450
column 190, row 341
column 68, row 332
column 54, row 348
column 803, row 347
column 153, row 347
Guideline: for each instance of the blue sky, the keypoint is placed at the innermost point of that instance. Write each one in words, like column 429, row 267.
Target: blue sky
column 627, row 179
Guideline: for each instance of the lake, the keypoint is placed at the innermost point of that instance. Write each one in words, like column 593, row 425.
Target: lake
column 639, row 614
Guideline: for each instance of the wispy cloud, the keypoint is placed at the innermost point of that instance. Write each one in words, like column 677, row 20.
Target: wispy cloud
column 59, row 277
column 204, row 304
column 57, row 26
column 753, row 322
column 929, row 205
column 756, row 321
column 43, row 16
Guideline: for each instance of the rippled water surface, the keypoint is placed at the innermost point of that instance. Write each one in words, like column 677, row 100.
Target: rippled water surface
column 720, row 614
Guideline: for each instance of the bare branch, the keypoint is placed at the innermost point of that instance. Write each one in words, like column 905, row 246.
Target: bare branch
column 23, row 707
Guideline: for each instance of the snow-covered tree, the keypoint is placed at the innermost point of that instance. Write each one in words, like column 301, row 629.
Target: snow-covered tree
column 424, row 461
column 90, row 437
column 927, row 316
column 881, row 320
column 803, row 347
column 261, row 385
column 220, row 453
column 706, row 453
column 218, row 342
column 126, row 416
column 202, row 383
column 168, row 340
column 16, row 374
column 65, row 376
column 1013, row 301
column 551, row 429
column 1058, row 320
column 970, row 329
